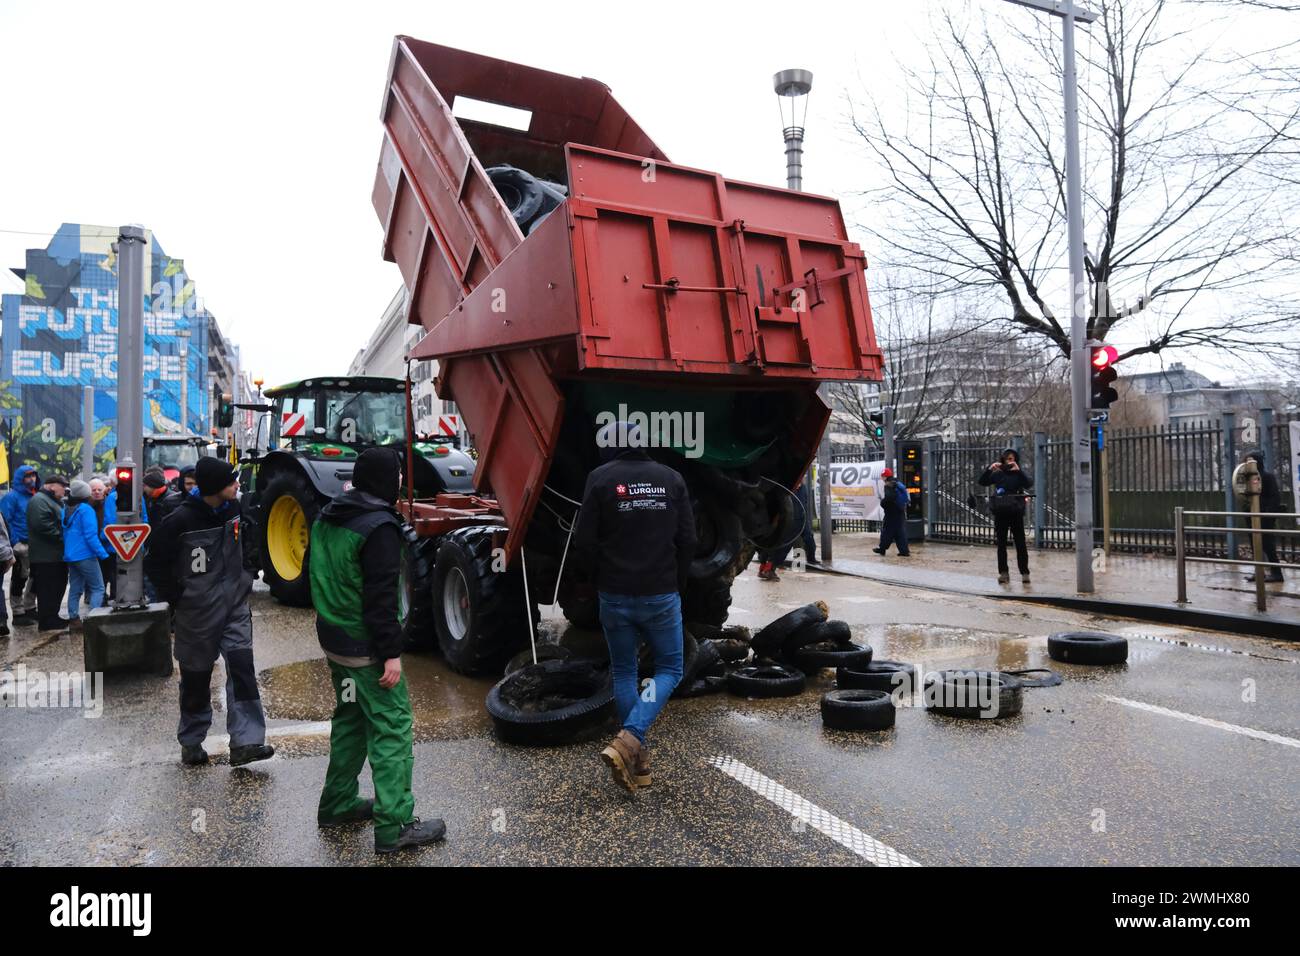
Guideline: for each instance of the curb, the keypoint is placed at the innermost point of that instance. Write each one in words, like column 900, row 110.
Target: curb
column 1206, row 619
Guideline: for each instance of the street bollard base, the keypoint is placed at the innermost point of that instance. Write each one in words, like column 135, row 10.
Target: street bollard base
column 137, row 639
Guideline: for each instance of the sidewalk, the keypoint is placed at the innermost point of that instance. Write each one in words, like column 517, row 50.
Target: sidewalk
column 1138, row 586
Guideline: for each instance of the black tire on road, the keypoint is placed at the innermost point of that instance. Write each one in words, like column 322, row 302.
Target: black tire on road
column 551, row 703
column 765, row 680
column 819, row 632
column 1036, row 677
column 690, row 657
column 479, row 613
column 1087, row 647
column 545, row 652
column 889, row 676
column 963, row 694
column 770, row 639
column 816, row 657
column 857, row 710
column 285, row 588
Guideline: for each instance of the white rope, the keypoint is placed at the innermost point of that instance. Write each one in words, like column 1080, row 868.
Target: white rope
column 528, row 604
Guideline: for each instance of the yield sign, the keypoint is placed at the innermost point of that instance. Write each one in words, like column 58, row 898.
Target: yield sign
column 126, row 539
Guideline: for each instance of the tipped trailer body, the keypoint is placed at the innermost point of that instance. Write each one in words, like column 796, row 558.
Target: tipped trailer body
column 564, row 270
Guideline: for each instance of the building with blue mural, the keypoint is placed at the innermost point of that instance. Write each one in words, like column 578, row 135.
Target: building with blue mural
column 60, row 335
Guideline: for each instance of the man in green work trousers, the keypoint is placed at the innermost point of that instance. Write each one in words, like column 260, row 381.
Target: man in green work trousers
column 356, row 553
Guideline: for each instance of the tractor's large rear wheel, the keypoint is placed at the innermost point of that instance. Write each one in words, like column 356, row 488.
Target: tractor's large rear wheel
column 478, row 612
column 290, row 505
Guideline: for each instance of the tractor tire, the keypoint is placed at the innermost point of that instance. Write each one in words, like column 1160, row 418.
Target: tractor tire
column 289, row 507
column 707, row 601
column 479, row 614
column 717, row 531
column 415, row 591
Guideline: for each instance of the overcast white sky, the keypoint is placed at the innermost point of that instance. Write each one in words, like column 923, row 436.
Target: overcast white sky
column 246, row 134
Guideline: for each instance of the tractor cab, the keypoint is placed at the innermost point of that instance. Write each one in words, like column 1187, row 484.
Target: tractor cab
column 172, row 453
column 315, row 430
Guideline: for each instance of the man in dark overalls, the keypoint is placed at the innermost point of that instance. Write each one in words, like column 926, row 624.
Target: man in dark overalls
column 197, row 563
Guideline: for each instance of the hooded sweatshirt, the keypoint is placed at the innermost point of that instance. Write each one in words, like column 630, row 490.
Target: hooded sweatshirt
column 636, row 529
column 13, row 506
column 1007, row 482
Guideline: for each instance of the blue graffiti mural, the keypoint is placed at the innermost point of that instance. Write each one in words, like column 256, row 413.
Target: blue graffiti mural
column 61, row 335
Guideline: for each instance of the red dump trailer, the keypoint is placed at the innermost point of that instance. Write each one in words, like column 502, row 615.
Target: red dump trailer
column 564, row 270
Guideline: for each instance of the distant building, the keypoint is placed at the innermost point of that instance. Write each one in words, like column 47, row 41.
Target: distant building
column 385, row 355
column 976, row 378
column 1176, row 378
column 60, row 335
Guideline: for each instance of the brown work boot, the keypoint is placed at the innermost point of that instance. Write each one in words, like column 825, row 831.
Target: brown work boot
column 621, row 756
column 641, row 773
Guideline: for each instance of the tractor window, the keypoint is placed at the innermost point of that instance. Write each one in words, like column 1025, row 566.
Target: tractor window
column 364, row 418
column 171, row 455
column 297, row 420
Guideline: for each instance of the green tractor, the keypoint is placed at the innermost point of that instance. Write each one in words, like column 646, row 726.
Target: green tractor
column 317, row 428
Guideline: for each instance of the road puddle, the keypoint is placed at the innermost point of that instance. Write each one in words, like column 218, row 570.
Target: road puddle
column 445, row 705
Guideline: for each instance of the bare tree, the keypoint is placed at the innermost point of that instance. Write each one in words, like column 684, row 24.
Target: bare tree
column 1192, row 228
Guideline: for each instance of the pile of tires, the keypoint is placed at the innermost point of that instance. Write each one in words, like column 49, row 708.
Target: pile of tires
column 552, row 702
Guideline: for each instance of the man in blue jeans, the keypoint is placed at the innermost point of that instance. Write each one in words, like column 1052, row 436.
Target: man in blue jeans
column 637, row 533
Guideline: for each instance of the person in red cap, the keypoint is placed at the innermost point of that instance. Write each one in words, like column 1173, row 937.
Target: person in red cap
column 893, row 502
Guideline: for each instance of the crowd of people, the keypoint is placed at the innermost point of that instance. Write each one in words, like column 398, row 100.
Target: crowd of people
column 53, row 537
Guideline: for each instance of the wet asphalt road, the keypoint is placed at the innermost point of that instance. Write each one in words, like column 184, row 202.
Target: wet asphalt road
column 1088, row 774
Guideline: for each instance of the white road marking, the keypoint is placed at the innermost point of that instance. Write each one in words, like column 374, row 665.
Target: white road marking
column 843, row 833
column 220, row 743
column 1134, row 632
column 740, row 610
column 1205, row 721
column 860, row 600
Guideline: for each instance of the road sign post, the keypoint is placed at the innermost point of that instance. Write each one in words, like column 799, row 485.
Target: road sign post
column 133, row 633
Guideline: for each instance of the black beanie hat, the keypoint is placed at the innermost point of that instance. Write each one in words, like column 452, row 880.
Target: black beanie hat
column 377, row 472
column 213, row 476
column 155, row 477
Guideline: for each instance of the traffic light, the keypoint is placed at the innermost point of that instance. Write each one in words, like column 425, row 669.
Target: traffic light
column 878, row 425
column 225, row 410
column 125, row 475
column 1102, row 375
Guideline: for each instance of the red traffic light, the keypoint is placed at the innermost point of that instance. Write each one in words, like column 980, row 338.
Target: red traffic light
column 124, row 474
column 1104, row 355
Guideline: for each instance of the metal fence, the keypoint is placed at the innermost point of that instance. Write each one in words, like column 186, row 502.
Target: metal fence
column 1149, row 472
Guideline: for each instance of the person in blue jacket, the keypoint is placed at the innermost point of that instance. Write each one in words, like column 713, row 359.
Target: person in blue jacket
column 105, row 504
column 82, row 551
column 13, row 507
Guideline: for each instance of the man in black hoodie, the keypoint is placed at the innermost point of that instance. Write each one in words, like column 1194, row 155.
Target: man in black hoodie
column 1270, row 501
column 636, row 531
column 196, row 562
column 356, row 555
column 1007, row 482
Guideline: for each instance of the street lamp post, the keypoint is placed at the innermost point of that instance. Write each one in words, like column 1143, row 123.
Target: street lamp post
column 792, row 88
column 1080, row 429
